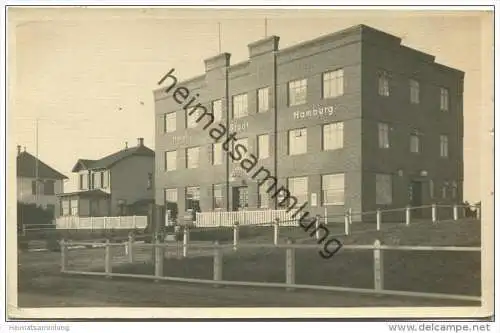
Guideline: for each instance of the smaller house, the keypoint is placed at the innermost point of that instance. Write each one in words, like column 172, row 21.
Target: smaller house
column 37, row 182
column 116, row 185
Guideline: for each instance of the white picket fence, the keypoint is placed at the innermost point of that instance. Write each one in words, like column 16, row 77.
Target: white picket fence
column 101, row 222
column 244, row 217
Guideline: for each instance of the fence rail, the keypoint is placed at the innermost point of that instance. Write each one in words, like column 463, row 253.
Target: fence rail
column 435, row 212
column 102, row 222
column 217, row 253
column 253, row 217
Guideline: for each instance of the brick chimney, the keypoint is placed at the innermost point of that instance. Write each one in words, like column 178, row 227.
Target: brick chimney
column 18, row 149
column 140, row 142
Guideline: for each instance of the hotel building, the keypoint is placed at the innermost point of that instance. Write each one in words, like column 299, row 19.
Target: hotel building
column 352, row 119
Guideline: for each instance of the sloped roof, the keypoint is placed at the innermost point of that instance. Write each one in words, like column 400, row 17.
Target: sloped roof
column 26, row 167
column 87, row 193
column 108, row 161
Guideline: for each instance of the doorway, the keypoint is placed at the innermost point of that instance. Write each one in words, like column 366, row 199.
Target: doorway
column 240, row 198
column 416, row 199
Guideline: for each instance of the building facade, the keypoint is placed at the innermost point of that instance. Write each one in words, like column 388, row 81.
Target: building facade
column 37, row 182
column 353, row 120
column 115, row 185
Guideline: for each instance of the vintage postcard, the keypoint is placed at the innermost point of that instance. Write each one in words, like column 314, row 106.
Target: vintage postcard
column 249, row 162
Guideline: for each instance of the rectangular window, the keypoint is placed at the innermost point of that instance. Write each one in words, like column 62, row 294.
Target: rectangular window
column 244, row 143
column 297, row 141
column 240, row 106
column 263, row 195
column 333, row 136
column 65, row 207
column 103, row 184
column 193, row 198
column 263, row 100
column 297, row 92
column 383, row 84
column 192, row 117
column 96, row 179
column 218, row 196
column 263, row 146
column 74, row 208
column 171, row 202
column 443, row 146
column 217, row 110
column 33, row 187
column 48, row 187
column 106, row 178
column 170, row 122
column 332, row 189
column 170, row 160
column 414, row 92
column 333, row 83
column 217, row 153
column 81, row 182
column 414, row 143
column 383, row 135
column 298, row 188
column 383, row 189
column 192, row 157
column 444, row 99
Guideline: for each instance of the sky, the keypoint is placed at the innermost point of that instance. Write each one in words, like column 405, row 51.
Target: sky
column 88, row 74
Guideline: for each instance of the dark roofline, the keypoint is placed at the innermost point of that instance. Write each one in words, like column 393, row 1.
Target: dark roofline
column 353, row 30
column 102, row 163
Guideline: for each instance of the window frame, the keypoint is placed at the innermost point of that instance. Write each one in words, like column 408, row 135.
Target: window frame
column 337, row 127
column 260, row 98
column 324, row 196
column 292, row 99
column 334, row 82
column 295, row 136
column 242, row 106
column 189, row 149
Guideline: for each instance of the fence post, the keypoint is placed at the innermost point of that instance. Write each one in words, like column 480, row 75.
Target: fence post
column 236, row 235
column 290, row 264
column 276, row 231
column 107, row 259
column 455, row 212
column 478, row 210
column 64, row 255
column 346, row 220
column 434, row 213
column 217, row 263
column 185, row 240
column 130, row 248
column 408, row 215
column 378, row 266
column 159, row 256
column 317, row 226
column 379, row 219
column 350, row 215
column 326, row 215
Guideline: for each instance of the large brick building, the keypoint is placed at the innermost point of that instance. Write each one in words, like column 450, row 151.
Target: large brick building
column 352, row 119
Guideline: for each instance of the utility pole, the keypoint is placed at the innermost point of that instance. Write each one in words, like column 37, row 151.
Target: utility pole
column 36, row 160
column 265, row 27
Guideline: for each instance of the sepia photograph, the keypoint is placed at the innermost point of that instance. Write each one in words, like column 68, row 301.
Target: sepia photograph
column 249, row 162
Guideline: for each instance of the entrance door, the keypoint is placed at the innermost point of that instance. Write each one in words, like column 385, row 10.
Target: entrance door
column 416, row 197
column 240, row 198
